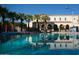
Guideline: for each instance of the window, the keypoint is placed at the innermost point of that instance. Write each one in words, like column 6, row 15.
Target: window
column 60, row 18
column 54, row 18
column 74, row 18
column 65, row 18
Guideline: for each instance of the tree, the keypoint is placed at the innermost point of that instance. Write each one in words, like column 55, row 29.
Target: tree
column 3, row 13
column 21, row 17
column 45, row 18
column 13, row 16
column 28, row 18
column 37, row 17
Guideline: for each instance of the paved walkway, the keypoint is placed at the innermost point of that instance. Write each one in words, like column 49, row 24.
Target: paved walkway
column 67, row 32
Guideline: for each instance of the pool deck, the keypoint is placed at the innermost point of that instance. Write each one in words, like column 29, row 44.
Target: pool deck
column 17, row 33
column 38, row 32
column 67, row 32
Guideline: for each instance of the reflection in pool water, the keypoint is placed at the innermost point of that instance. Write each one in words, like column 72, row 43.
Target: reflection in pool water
column 37, row 43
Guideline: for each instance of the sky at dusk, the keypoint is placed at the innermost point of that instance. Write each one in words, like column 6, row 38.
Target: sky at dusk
column 43, row 8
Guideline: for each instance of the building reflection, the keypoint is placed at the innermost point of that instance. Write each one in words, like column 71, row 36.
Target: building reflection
column 77, row 36
column 64, row 37
column 41, row 41
column 57, row 41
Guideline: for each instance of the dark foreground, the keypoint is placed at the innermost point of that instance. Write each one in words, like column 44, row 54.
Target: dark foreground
column 41, row 52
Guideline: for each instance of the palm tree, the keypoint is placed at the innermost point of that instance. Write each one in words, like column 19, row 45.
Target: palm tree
column 13, row 16
column 21, row 17
column 37, row 17
column 28, row 18
column 45, row 18
column 3, row 13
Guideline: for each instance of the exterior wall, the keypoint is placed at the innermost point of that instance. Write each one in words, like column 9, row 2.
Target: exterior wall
column 30, row 24
column 71, row 20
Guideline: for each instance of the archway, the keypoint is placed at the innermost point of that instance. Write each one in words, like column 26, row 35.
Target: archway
column 61, row 27
column 56, row 27
column 42, row 27
column 67, row 27
column 49, row 26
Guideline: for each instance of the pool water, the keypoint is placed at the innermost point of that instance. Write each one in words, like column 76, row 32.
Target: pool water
column 39, row 44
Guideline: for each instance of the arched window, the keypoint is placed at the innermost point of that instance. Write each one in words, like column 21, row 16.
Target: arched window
column 56, row 27
column 49, row 26
column 74, row 18
column 60, row 18
column 42, row 26
column 54, row 18
column 65, row 18
column 67, row 27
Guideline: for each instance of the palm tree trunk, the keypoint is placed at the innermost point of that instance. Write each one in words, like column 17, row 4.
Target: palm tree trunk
column 21, row 24
column 6, row 28
column 13, row 25
column 45, row 24
column 38, row 24
column 3, row 23
column 28, row 24
column 0, row 28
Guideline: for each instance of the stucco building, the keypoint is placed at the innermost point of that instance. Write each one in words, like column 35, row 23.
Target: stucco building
column 59, row 20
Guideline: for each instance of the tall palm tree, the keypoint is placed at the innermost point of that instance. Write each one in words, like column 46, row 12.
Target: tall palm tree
column 13, row 16
column 37, row 17
column 21, row 17
column 45, row 18
column 28, row 18
column 0, row 27
column 3, row 13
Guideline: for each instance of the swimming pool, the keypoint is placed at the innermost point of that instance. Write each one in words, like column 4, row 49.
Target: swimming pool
column 39, row 44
